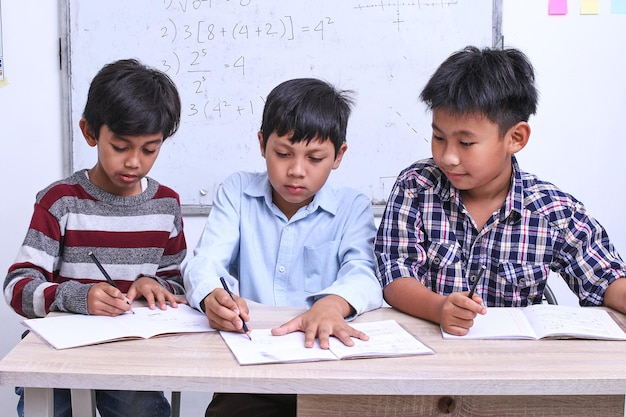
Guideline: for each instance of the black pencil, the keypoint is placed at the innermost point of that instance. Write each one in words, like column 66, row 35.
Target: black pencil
column 475, row 283
column 106, row 274
column 245, row 327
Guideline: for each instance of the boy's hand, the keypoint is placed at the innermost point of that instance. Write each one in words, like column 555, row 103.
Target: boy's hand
column 224, row 313
column 324, row 319
column 458, row 312
column 104, row 299
column 154, row 293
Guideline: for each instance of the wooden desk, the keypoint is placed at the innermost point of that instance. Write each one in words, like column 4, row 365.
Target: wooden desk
column 465, row 378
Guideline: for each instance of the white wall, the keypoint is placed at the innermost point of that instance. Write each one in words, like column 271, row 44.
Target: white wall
column 31, row 142
column 30, row 128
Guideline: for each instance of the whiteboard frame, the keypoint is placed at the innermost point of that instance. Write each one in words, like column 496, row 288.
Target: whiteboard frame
column 66, row 96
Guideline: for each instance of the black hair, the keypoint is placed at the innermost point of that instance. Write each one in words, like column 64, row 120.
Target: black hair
column 307, row 109
column 132, row 99
column 497, row 83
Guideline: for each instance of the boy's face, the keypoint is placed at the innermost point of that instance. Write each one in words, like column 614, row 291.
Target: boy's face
column 471, row 153
column 296, row 170
column 122, row 160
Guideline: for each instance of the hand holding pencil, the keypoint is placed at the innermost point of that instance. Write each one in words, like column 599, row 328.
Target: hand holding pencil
column 459, row 309
column 96, row 299
column 245, row 326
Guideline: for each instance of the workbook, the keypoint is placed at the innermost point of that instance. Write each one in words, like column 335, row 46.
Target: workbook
column 73, row 330
column 544, row 321
column 386, row 338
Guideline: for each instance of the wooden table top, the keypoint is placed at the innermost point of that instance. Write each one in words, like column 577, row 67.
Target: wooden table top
column 202, row 362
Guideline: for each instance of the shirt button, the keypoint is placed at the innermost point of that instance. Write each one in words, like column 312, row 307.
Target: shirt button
column 436, row 261
column 281, row 269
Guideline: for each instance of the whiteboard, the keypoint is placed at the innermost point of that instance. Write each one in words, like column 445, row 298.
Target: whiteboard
column 226, row 55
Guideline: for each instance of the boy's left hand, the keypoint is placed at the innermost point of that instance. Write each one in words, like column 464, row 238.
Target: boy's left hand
column 154, row 293
column 324, row 319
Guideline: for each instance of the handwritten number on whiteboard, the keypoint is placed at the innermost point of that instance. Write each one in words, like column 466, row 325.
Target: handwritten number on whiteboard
column 269, row 29
column 241, row 63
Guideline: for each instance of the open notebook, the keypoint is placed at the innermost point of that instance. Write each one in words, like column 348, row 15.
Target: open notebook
column 542, row 321
column 386, row 338
column 73, row 330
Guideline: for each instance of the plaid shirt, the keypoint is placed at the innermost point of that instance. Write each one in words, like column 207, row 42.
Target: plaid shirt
column 426, row 233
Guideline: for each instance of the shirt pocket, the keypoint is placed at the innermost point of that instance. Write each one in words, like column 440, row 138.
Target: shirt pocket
column 321, row 266
column 444, row 264
column 521, row 283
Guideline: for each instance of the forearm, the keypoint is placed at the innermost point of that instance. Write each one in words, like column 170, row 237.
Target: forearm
column 615, row 295
column 412, row 297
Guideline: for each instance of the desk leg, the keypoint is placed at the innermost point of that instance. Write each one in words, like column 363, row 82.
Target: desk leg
column 38, row 402
column 83, row 402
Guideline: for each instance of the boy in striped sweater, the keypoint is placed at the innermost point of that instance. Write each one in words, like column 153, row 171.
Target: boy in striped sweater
column 129, row 221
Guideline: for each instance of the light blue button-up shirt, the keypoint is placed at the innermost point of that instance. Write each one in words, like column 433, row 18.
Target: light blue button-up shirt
column 325, row 248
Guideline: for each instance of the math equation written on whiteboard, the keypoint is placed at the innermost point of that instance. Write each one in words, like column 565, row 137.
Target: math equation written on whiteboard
column 202, row 34
column 226, row 55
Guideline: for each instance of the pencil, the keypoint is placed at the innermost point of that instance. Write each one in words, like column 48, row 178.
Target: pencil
column 476, row 280
column 106, row 274
column 245, row 327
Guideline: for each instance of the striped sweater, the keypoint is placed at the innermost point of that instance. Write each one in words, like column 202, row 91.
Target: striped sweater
column 133, row 236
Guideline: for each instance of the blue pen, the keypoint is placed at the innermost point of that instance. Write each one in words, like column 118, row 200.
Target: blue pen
column 245, row 327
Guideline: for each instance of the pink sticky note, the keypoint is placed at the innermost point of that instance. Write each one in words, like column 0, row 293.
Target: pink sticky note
column 557, row 7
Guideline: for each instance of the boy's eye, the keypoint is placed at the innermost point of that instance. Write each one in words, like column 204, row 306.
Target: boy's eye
column 118, row 149
column 149, row 151
column 466, row 144
column 282, row 155
column 438, row 138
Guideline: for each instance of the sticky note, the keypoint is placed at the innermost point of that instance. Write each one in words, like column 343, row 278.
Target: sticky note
column 557, row 7
column 589, row 6
column 618, row 6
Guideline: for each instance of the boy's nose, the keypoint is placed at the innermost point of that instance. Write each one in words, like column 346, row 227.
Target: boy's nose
column 450, row 156
column 132, row 161
column 296, row 168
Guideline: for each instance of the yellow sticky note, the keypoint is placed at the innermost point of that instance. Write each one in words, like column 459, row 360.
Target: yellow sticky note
column 589, row 6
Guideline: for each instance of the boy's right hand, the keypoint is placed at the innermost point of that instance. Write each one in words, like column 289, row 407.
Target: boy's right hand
column 104, row 299
column 459, row 311
column 224, row 313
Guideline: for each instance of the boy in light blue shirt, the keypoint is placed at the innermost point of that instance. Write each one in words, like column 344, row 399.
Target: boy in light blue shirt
column 285, row 237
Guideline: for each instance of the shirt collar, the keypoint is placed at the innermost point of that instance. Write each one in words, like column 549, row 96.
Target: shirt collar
column 323, row 199
column 513, row 204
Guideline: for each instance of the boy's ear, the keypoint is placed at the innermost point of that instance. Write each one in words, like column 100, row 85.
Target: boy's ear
column 340, row 154
column 519, row 135
column 261, row 144
column 88, row 133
